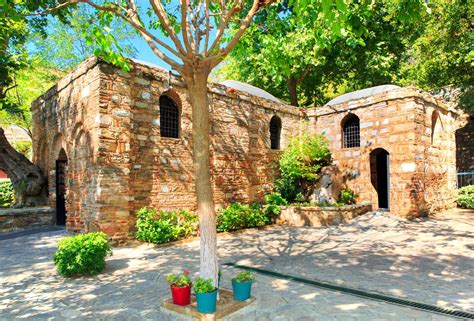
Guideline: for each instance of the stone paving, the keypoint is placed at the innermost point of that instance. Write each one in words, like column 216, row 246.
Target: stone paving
column 431, row 261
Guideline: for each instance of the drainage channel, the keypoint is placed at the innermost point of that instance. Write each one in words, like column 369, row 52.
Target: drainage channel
column 360, row 293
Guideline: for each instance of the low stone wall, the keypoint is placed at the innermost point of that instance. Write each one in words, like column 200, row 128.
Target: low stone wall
column 320, row 216
column 12, row 219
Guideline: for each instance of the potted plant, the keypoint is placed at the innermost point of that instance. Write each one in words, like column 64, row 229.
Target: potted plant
column 242, row 285
column 206, row 295
column 180, row 287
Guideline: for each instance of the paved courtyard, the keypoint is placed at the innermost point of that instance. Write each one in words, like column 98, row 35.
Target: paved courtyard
column 430, row 261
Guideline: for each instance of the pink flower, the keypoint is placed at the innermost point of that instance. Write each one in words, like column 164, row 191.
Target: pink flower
column 186, row 271
column 197, row 273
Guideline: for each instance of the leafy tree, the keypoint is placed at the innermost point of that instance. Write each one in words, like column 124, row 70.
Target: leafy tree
column 306, row 60
column 30, row 82
column 442, row 56
column 65, row 47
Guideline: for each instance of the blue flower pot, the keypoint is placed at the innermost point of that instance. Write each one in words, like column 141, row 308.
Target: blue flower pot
column 206, row 302
column 242, row 290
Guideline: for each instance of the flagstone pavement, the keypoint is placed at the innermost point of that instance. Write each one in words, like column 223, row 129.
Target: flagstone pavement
column 427, row 260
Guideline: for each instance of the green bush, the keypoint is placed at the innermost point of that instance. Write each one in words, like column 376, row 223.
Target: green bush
column 275, row 199
column 466, row 197
column 7, row 195
column 202, row 285
column 238, row 216
column 347, row 196
column 161, row 227
column 82, row 254
column 300, row 166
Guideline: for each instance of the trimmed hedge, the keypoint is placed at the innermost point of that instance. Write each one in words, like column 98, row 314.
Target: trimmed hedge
column 82, row 254
column 7, row 195
column 466, row 197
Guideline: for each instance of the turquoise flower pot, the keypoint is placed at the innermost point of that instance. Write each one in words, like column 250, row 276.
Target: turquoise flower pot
column 242, row 290
column 206, row 302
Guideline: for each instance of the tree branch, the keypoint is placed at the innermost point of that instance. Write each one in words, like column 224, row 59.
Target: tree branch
column 161, row 13
column 305, row 74
column 185, row 30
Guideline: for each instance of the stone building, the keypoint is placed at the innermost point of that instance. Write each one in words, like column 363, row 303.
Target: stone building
column 126, row 140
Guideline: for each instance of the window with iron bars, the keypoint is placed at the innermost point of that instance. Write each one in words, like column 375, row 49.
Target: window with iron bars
column 169, row 118
column 351, row 132
column 275, row 131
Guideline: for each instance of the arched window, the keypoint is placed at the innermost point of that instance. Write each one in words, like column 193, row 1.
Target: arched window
column 350, row 131
column 169, row 118
column 275, row 131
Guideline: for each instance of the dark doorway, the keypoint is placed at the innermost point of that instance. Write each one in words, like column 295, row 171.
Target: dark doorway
column 61, row 163
column 380, row 176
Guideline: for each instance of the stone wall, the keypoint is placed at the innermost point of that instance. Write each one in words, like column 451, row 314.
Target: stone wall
column 65, row 118
column 465, row 146
column 399, row 122
column 320, row 216
column 13, row 219
column 108, row 124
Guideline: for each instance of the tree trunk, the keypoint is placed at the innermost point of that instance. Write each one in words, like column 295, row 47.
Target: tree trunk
column 28, row 181
column 197, row 87
column 292, row 89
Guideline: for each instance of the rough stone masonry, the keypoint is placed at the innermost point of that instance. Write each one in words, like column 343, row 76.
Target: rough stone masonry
column 107, row 123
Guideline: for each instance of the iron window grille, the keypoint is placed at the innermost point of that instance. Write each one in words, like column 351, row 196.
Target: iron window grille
column 275, row 132
column 351, row 132
column 169, row 118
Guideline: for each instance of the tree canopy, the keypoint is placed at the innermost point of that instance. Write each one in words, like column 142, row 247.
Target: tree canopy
column 301, row 58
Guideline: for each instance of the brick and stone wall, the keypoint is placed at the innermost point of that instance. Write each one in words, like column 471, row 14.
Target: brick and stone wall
column 465, row 146
column 399, row 122
column 108, row 124
column 12, row 219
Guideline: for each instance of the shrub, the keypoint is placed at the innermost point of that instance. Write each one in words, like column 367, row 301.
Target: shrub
column 82, row 254
column 203, row 285
column 466, row 197
column 179, row 280
column 161, row 227
column 7, row 195
column 347, row 196
column 237, row 216
column 300, row 165
column 275, row 199
column 244, row 276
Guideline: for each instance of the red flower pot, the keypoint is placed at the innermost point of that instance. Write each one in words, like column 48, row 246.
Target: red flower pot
column 181, row 296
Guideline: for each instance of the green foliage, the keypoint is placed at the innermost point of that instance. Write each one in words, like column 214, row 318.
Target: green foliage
column 443, row 55
column 244, row 276
column 32, row 81
column 238, row 216
column 275, row 199
column 69, row 44
column 466, row 197
column 203, row 285
column 161, row 227
column 301, row 164
column 273, row 204
column 82, row 254
column 179, row 280
column 347, row 196
column 7, row 195
column 341, row 46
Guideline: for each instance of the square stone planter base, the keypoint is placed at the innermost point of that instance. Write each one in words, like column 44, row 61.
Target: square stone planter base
column 225, row 306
